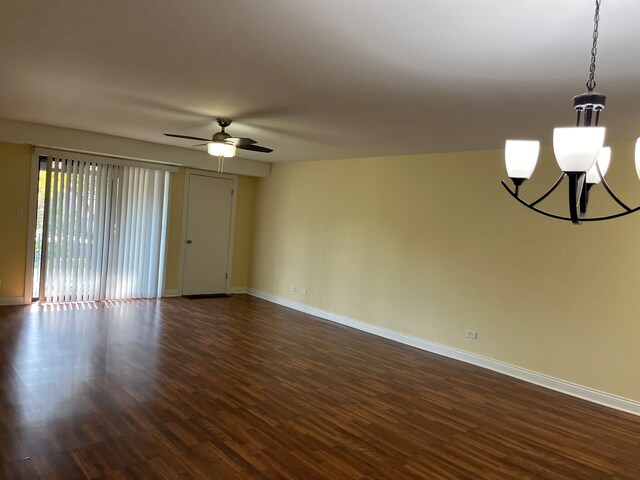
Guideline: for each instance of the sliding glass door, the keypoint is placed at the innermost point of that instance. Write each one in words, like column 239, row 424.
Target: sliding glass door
column 103, row 229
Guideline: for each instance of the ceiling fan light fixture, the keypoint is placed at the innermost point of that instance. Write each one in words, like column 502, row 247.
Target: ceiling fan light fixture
column 221, row 149
column 223, row 145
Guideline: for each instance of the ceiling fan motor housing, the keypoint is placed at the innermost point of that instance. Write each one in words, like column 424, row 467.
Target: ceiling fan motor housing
column 220, row 137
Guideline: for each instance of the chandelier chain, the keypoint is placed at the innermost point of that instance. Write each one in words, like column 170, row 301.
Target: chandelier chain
column 591, row 83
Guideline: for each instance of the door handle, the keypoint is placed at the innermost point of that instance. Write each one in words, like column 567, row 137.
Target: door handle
column 189, row 242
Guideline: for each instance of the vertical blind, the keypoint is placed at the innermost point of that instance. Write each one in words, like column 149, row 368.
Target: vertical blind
column 104, row 230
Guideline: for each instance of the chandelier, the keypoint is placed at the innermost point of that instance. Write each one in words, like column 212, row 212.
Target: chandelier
column 579, row 151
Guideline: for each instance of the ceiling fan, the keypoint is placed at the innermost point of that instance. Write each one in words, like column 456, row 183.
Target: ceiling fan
column 224, row 145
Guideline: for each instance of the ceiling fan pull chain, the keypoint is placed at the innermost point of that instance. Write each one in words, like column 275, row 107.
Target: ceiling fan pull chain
column 591, row 83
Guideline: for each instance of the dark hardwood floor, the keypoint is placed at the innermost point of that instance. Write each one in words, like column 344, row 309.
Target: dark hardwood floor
column 240, row 388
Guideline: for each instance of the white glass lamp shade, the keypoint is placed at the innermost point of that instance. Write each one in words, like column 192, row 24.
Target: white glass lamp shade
column 577, row 148
column 520, row 157
column 603, row 160
column 221, row 149
column 638, row 157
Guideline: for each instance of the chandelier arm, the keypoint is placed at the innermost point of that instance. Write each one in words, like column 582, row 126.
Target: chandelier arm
column 560, row 217
column 610, row 217
column 550, row 191
column 576, row 191
column 584, row 199
column 535, row 209
column 609, row 191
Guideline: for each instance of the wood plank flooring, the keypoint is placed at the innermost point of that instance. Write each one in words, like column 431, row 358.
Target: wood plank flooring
column 238, row 388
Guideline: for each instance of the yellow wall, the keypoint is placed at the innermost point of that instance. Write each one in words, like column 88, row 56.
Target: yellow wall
column 174, row 233
column 432, row 245
column 15, row 170
column 243, row 241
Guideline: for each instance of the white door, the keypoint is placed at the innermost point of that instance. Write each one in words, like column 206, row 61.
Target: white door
column 207, row 235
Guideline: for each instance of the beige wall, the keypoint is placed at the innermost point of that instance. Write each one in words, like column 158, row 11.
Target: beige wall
column 15, row 170
column 243, row 240
column 174, row 233
column 432, row 245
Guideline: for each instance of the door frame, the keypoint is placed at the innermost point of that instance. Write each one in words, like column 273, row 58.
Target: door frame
column 185, row 212
column 27, row 297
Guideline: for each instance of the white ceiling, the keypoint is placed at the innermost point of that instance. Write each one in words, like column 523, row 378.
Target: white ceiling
column 318, row 79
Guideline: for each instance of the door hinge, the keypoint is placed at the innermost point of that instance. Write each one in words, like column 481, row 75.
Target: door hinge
column 226, row 275
column 232, row 192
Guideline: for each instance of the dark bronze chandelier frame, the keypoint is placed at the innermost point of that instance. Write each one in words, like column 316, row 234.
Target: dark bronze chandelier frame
column 588, row 107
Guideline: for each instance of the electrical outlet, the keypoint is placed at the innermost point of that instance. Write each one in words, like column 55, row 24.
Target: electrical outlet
column 471, row 334
column 292, row 288
column 303, row 291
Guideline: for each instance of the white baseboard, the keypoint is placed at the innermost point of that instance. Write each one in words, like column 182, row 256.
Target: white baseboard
column 12, row 301
column 236, row 290
column 170, row 293
column 585, row 393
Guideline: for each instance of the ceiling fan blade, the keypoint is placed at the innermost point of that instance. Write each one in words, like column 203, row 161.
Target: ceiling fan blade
column 255, row 148
column 201, row 144
column 187, row 137
column 239, row 141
